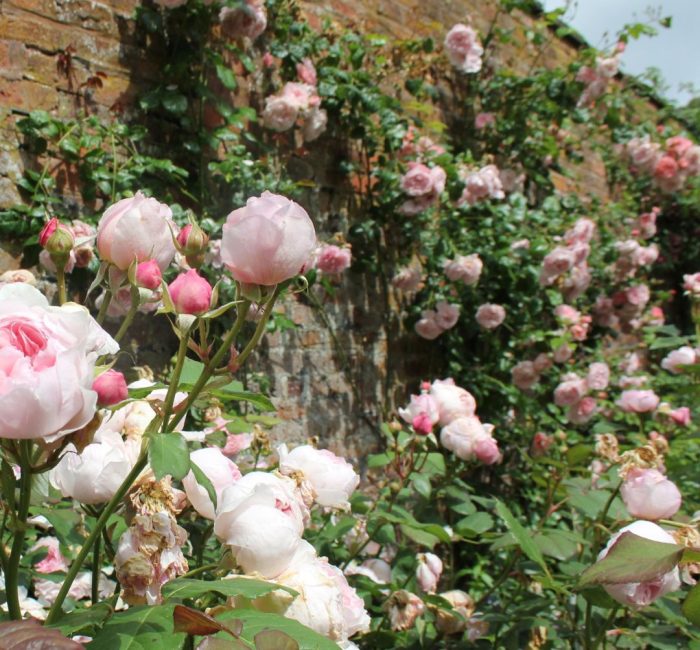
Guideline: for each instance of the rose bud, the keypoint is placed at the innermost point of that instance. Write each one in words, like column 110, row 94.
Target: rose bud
column 190, row 293
column 148, row 275
column 193, row 243
column 58, row 241
column 110, row 387
column 648, row 494
column 428, row 571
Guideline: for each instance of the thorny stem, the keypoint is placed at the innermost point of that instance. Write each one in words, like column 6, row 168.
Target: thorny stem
column 61, row 282
column 175, row 378
column 128, row 319
column 106, row 300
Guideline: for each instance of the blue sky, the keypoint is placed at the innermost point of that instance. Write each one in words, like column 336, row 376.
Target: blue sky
column 675, row 51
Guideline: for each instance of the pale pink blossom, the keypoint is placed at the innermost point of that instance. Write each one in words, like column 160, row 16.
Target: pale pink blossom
column 220, row 471
column 490, row 316
column 428, row 571
column 333, row 259
column 452, row 401
column 636, row 594
column 638, row 401
column 280, row 113
column 428, row 327
column 54, row 560
column 422, row 410
column 315, row 123
column 463, row 48
column 190, row 293
column 465, row 268
column 674, row 361
column 563, row 353
column 691, row 283
column 421, row 180
column 306, row 71
column 525, row 375
column 249, row 19
column 598, row 376
column 455, row 622
column 648, row 494
column 542, row 362
column 465, row 435
column 447, row 314
column 136, row 229
column 409, row 278
column 482, row 184
column 331, row 478
column 582, row 411
column 581, row 232
column 570, row 391
column 267, row 241
column 403, row 608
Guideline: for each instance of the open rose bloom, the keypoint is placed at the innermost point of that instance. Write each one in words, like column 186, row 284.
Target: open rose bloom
column 47, row 357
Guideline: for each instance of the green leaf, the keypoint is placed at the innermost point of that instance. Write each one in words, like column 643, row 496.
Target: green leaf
column 421, row 483
column 140, row 628
column 633, row 559
column 691, row 605
column 378, row 460
column 168, row 454
column 255, row 622
column 246, row 587
column 82, row 619
column 522, row 536
column 226, row 76
column 204, row 481
column 174, row 102
column 474, row 524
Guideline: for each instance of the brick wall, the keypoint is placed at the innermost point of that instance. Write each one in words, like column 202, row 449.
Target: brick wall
column 330, row 386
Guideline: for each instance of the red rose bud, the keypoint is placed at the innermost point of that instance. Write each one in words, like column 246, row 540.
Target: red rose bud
column 110, row 387
column 148, row 275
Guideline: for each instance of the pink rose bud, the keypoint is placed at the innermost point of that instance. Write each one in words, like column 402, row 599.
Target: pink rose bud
column 110, row 387
column 648, row 494
column 194, row 244
column 190, row 293
column 267, row 241
column 48, row 230
column 541, row 442
column 486, row 450
column 306, row 72
column 268, row 60
column 422, row 424
column 524, row 375
column 428, row 572
column 681, row 416
column 148, row 275
column 598, row 376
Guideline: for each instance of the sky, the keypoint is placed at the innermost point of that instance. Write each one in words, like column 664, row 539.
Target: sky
column 675, row 51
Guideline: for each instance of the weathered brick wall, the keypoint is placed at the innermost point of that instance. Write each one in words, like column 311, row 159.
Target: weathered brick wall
column 333, row 386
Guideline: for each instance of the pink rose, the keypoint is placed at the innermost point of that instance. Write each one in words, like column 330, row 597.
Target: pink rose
column 306, row 71
column 567, row 314
column 47, row 357
column 111, row 388
column 542, row 362
column 54, row 560
column 666, row 168
column 421, row 406
column 452, row 401
column 598, row 376
column 482, row 184
column 681, row 416
column 447, row 314
column 541, row 442
column 562, row 354
column 466, row 268
column 420, row 180
column 428, row 572
column 190, row 293
column 637, row 295
column 691, row 283
column 468, row 439
column 249, row 19
column 408, row 278
column 486, row 450
column 483, row 120
column 463, row 48
column 677, row 146
column 136, row 229
column 638, row 401
column 302, row 96
column 280, row 113
column 268, row 241
column 490, row 316
column 641, row 594
column 582, row 411
column 315, row 123
column 581, row 232
column 683, row 356
column 331, row 478
column 525, row 375
column 428, row 327
column 570, row 391
column 648, row 494
column 221, row 471
column 333, row 259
